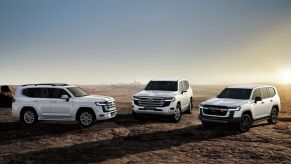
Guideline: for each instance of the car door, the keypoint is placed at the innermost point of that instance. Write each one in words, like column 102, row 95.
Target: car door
column 258, row 106
column 267, row 102
column 187, row 94
column 183, row 94
column 272, row 93
column 61, row 109
column 41, row 100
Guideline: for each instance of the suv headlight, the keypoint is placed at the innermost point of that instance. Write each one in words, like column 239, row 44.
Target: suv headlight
column 170, row 99
column 102, row 103
column 234, row 108
column 201, row 105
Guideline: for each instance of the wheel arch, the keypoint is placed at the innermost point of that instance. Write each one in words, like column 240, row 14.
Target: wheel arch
column 249, row 113
column 24, row 108
column 80, row 109
column 276, row 107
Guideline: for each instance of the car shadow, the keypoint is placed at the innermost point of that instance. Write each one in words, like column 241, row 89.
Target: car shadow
column 128, row 120
column 17, row 130
column 285, row 119
column 118, row 146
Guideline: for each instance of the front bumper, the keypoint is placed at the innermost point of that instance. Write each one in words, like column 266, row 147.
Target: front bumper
column 228, row 119
column 106, row 115
column 168, row 110
column 222, row 120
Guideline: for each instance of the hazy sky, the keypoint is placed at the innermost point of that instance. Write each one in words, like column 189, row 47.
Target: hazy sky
column 113, row 41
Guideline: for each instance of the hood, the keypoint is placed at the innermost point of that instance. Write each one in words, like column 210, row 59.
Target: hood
column 157, row 93
column 225, row 102
column 97, row 98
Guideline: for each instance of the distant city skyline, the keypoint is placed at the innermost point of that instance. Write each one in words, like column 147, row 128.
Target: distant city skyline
column 110, row 41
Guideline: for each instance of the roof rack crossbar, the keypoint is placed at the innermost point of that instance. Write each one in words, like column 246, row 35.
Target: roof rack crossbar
column 52, row 84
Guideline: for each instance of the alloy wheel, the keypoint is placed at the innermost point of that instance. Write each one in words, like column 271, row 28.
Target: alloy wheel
column 29, row 117
column 86, row 118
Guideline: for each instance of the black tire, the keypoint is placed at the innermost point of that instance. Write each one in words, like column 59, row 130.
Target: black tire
column 245, row 123
column 190, row 107
column 176, row 117
column 273, row 117
column 86, row 118
column 28, row 116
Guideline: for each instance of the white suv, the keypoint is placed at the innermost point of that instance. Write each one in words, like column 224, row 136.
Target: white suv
column 242, row 105
column 60, row 102
column 164, row 97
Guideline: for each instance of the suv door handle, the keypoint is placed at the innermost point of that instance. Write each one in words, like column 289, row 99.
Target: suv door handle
column 271, row 100
column 263, row 102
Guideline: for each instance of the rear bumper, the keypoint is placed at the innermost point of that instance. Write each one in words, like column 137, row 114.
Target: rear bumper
column 222, row 120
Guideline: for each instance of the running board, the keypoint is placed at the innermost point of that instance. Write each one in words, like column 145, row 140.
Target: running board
column 260, row 120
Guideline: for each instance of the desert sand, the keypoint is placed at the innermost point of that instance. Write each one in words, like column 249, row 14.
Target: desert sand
column 151, row 140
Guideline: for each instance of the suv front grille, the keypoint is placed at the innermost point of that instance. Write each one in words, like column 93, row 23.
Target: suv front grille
column 215, row 110
column 152, row 102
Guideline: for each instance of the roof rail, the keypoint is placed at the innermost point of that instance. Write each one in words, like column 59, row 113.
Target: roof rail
column 52, row 84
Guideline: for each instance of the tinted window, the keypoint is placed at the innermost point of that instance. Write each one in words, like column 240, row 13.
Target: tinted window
column 272, row 92
column 265, row 93
column 257, row 93
column 235, row 93
column 162, row 85
column 57, row 92
column 77, row 92
column 36, row 92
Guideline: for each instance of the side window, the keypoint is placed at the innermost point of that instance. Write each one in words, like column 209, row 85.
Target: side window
column 186, row 84
column 42, row 93
column 36, row 92
column 27, row 92
column 181, row 85
column 58, row 92
column 265, row 93
column 257, row 93
column 272, row 92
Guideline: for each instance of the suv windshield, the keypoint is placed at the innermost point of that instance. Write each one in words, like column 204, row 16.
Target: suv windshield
column 77, row 92
column 235, row 93
column 162, row 85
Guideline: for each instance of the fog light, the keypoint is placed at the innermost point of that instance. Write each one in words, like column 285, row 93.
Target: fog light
column 172, row 108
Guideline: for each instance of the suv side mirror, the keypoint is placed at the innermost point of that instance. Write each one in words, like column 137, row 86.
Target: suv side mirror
column 258, row 99
column 185, row 91
column 65, row 97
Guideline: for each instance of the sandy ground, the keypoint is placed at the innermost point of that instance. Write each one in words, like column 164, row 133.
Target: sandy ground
column 151, row 140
